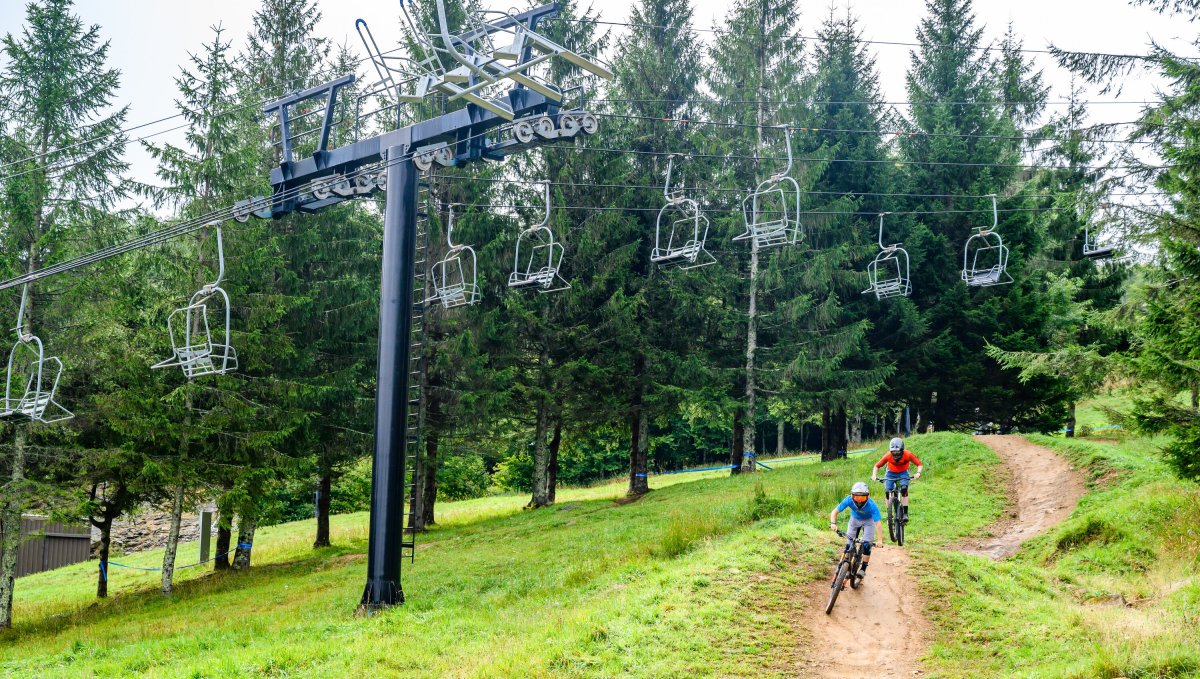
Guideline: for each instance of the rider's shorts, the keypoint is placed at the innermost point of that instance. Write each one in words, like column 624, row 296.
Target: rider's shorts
column 891, row 478
column 867, row 526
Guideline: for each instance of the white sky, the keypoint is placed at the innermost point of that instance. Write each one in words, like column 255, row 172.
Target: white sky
column 152, row 38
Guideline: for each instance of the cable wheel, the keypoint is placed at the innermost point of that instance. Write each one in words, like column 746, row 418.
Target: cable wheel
column 523, row 132
column 589, row 123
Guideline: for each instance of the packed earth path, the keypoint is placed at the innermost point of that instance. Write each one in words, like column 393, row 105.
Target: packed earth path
column 880, row 630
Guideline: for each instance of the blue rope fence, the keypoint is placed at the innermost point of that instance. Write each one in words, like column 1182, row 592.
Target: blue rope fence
column 105, row 564
column 756, row 461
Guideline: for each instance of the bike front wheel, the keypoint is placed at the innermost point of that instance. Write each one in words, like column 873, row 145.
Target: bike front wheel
column 893, row 519
column 838, row 582
column 900, row 533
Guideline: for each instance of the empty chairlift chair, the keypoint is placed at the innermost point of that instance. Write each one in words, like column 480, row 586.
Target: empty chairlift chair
column 772, row 210
column 197, row 347
column 538, row 256
column 985, row 257
column 1092, row 249
column 889, row 272
column 680, row 231
column 454, row 281
column 32, row 380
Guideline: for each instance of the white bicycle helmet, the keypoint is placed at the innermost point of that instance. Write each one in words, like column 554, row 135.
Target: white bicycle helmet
column 896, row 445
column 860, row 488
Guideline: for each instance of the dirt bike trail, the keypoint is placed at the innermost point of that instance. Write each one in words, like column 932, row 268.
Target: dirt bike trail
column 877, row 630
column 1043, row 491
column 880, row 630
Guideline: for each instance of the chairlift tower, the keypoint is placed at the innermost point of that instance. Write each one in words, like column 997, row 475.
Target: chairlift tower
column 498, row 51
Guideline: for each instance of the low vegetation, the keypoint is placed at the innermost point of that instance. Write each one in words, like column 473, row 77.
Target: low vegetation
column 684, row 581
column 1111, row 592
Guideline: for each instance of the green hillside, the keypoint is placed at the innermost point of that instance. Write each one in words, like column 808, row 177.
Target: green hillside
column 697, row 578
column 703, row 577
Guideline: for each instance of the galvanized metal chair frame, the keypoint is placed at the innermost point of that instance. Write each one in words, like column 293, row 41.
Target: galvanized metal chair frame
column 889, row 272
column 41, row 379
column 463, row 66
column 1092, row 249
column 538, row 257
column 680, row 250
column 987, row 244
column 454, row 276
column 772, row 210
column 193, row 349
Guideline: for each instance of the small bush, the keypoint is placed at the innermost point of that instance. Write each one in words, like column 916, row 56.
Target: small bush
column 462, row 477
column 763, row 506
column 684, row 531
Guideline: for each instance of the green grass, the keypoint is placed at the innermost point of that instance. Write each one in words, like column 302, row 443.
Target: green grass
column 684, row 582
column 1111, row 592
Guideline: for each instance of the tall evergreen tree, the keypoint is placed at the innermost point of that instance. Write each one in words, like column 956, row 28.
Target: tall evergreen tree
column 62, row 146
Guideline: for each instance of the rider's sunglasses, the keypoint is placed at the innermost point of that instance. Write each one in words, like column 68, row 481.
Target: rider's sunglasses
column 859, row 498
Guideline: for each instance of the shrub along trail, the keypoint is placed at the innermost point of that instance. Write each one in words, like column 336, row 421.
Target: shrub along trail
column 1044, row 488
column 880, row 630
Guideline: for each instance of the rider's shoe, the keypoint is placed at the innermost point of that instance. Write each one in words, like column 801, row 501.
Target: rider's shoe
column 903, row 513
column 862, row 572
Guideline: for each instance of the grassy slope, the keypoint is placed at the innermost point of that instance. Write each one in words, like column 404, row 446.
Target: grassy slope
column 694, row 580
column 1111, row 592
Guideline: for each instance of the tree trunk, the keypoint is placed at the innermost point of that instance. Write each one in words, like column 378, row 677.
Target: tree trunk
column 416, row 498
column 105, row 526
column 841, row 443
column 1071, row 420
column 246, row 528
column 856, row 429
column 429, row 486
column 224, row 538
column 168, row 567
column 826, row 425
column 639, row 453
column 324, row 488
column 737, row 452
column 10, row 521
column 541, row 458
column 552, row 472
column 779, row 451
column 1195, row 399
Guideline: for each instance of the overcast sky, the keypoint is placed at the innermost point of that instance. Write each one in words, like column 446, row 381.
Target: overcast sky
column 152, row 38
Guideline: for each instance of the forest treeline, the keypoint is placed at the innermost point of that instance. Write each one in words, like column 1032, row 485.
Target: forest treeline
column 635, row 368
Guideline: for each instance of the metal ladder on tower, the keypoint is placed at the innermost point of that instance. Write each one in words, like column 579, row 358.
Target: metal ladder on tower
column 416, row 365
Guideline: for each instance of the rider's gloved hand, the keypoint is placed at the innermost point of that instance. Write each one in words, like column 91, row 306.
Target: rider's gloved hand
column 917, row 476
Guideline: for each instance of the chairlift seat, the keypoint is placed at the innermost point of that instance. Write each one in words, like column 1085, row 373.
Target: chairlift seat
column 454, row 276
column 889, row 273
column 41, row 377
column 772, row 213
column 985, row 260
column 542, row 260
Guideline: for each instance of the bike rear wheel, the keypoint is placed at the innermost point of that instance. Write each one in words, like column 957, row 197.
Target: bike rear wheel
column 855, row 581
column 838, row 580
column 893, row 513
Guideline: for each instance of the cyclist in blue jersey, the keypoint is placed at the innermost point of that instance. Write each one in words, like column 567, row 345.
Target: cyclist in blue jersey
column 864, row 516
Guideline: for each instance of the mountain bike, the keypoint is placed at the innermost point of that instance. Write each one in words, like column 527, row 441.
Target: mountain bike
column 896, row 519
column 847, row 568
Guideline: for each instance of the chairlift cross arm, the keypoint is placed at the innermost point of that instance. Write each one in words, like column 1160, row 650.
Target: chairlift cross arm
column 329, row 90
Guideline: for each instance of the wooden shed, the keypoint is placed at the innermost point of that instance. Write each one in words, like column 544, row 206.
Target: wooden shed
column 47, row 545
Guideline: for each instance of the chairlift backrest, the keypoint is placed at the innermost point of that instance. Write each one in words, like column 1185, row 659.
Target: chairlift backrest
column 680, row 230
column 195, row 348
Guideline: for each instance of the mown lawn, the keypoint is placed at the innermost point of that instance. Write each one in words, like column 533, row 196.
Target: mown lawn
column 693, row 580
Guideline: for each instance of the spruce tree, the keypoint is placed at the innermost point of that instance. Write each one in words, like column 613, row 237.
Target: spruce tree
column 61, row 145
